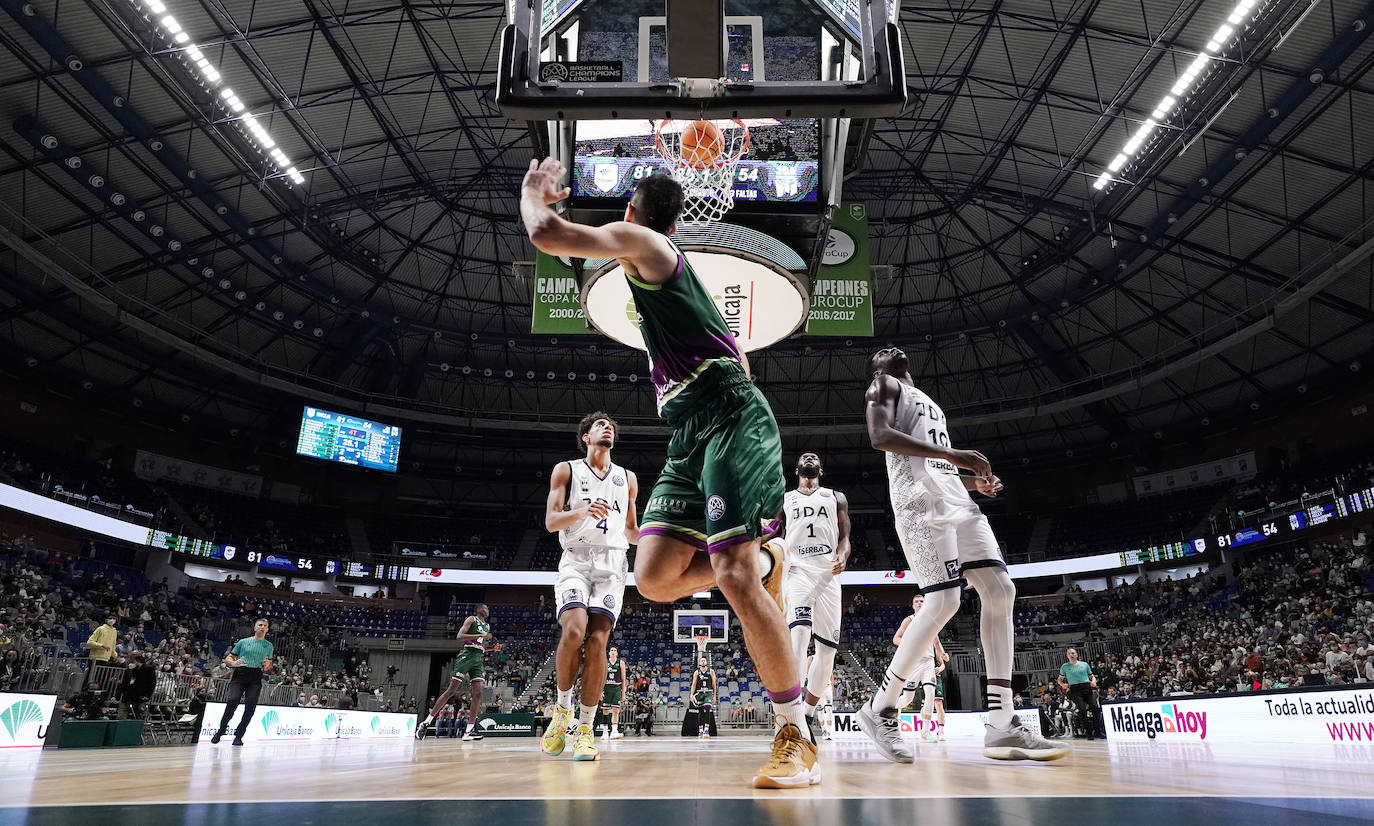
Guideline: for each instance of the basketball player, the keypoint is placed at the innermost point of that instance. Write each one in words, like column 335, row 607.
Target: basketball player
column 721, row 488
column 703, row 694
column 614, row 692
column 249, row 657
column 467, row 667
column 945, row 538
column 592, row 506
column 823, row 724
column 926, row 679
column 817, row 548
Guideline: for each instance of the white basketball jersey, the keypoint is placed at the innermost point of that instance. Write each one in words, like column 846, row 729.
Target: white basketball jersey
column 813, row 529
column 921, row 418
column 585, row 487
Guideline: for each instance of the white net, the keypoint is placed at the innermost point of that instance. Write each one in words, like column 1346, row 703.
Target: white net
column 706, row 171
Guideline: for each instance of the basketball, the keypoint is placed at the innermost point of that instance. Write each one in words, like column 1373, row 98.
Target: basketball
column 702, row 144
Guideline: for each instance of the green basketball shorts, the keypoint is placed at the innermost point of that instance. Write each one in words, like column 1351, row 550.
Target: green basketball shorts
column 611, row 696
column 722, row 483
column 468, row 665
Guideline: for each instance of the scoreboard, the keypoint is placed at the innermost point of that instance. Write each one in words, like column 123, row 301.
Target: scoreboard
column 348, row 440
column 192, row 547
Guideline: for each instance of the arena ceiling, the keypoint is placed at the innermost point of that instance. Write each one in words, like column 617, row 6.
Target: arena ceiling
column 1226, row 272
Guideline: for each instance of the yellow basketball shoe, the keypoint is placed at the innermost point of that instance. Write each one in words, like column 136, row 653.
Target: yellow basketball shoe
column 584, row 744
column 795, row 763
column 556, row 735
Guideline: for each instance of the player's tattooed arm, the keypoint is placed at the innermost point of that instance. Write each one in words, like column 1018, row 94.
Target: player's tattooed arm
column 880, row 413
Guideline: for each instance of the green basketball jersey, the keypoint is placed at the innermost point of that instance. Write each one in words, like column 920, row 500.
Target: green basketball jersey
column 478, row 627
column 684, row 332
column 613, row 673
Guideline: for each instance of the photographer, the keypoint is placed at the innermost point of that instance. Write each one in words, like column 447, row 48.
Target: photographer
column 86, row 705
column 644, row 715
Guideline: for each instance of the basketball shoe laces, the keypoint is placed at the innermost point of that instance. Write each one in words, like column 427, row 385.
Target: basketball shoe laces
column 784, row 748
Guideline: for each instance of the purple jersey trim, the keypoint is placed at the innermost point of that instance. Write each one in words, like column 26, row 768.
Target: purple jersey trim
column 726, row 544
column 656, row 530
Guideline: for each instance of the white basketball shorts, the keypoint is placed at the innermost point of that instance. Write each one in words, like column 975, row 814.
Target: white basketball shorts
column 942, row 539
column 813, row 598
column 592, row 578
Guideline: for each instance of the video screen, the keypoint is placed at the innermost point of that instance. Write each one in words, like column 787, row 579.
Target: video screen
column 781, row 165
column 336, row 437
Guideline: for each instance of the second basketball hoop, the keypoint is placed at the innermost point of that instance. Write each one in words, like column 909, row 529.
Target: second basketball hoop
column 703, row 155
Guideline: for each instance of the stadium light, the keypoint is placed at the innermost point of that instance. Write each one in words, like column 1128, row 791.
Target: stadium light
column 195, row 58
column 1217, row 43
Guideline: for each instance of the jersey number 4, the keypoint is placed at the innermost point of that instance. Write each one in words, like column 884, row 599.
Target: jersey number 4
column 615, row 506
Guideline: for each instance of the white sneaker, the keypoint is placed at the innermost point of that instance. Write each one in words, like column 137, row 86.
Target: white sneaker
column 617, row 735
column 1017, row 742
column 929, row 736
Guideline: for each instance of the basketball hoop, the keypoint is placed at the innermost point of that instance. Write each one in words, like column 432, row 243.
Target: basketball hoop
column 701, row 640
column 707, row 173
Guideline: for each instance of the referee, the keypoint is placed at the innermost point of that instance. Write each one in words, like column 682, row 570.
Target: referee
column 248, row 658
column 1078, row 679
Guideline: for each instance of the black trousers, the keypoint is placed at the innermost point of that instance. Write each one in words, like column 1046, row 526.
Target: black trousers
column 1090, row 714
column 245, row 686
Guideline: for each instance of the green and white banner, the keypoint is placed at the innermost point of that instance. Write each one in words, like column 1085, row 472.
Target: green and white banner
column 842, row 297
column 557, row 303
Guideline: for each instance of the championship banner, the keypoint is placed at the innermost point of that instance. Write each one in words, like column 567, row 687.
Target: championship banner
column 842, row 297
column 1320, row 716
column 557, row 299
column 519, row 724
column 24, row 720
column 272, row 724
column 959, row 725
column 152, row 467
column 1238, row 468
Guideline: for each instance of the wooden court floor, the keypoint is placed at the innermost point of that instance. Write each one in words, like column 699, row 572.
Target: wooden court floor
column 671, row 780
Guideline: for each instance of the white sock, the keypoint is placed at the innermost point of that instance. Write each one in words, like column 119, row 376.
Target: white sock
column 586, row 714
column 565, row 698
column 429, row 718
column 810, row 710
column 1000, row 708
column 794, row 713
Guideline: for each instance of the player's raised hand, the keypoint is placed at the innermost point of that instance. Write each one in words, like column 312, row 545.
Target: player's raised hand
column 971, row 460
column 544, row 180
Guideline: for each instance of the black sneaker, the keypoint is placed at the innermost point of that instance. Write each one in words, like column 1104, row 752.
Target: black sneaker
column 215, row 738
column 815, row 728
column 238, row 741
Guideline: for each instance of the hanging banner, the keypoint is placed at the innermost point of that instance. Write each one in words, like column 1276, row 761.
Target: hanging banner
column 557, row 299
column 1238, row 468
column 842, row 297
column 153, row 467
